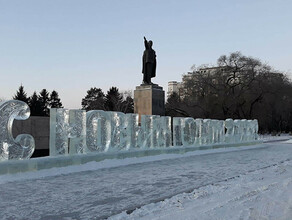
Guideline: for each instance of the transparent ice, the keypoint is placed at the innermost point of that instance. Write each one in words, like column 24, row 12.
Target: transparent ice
column 255, row 129
column 249, row 130
column 165, row 136
column 93, row 131
column 132, row 129
column 244, row 125
column 221, row 131
column 198, row 134
column 229, row 134
column 77, row 131
column 22, row 147
column 67, row 131
column 189, row 132
column 177, row 131
column 206, row 132
column 237, row 129
column 217, row 128
column 118, row 131
column 155, row 136
column 146, row 133
column 98, row 132
column 59, row 125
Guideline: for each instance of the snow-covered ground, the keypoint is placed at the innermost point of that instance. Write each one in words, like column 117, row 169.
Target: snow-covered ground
column 261, row 194
column 250, row 182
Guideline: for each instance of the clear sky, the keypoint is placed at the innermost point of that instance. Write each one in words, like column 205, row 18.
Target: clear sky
column 71, row 46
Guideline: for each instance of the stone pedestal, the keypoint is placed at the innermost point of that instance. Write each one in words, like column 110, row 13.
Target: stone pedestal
column 149, row 100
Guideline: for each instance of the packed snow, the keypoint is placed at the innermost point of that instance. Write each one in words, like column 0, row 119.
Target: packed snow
column 251, row 182
column 261, row 194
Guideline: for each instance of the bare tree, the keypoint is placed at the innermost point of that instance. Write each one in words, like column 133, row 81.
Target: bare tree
column 239, row 87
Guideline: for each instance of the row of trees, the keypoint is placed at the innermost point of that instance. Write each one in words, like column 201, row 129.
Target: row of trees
column 39, row 103
column 112, row 101
column 238, row 87
column 94, row 100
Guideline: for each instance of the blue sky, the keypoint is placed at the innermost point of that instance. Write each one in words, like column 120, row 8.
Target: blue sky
column 71, row 45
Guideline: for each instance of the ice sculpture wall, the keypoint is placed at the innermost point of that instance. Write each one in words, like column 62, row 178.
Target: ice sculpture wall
column 80, row 132
column 115, row 131
column 22, row 147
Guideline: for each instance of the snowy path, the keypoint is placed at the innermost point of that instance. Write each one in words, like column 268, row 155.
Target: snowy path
column 100, row 193
column 262, row 194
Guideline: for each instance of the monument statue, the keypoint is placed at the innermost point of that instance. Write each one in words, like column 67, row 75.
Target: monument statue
column 149, row 62
column 149, row 97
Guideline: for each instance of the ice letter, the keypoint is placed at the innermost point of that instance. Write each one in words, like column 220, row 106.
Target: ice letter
column 141, row 133
column 249, row 130
column 23, row 146
column 67, row 125
column 77, row 131
column 238, row 130
column 229, row 126
column 118, row 131
column 256, row 129
column 189, row 132
column 59, row 126
column 98, row 131
column 165, row 136
column 198, row 134
column 148, row 133
column 145, row 131
column 244, row 128
column 221, row 135
column 177, row 131
column 214, row 125
column 132, row 129
column 206, row 132
column 155, row 131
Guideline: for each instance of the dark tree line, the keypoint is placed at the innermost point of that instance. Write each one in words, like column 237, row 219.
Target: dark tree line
column 112, row 101
column 39, row 103
column 95, row 99
column 238, row 87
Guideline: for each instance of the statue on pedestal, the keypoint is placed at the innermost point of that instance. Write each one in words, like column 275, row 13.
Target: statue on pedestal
column 149, row 63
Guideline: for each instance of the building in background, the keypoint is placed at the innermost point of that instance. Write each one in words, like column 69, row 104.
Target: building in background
column 178, row 87
column 174, row 86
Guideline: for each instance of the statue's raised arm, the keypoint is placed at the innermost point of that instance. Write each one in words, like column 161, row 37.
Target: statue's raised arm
column 145, row 43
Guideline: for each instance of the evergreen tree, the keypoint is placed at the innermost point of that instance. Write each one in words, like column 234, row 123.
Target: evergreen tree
column 55, row 101
column 175, row 107
column 113, row 100
column 94, row 100
column 21, row 95
column 35, row 105
column 44, row 101
column 128, row 105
